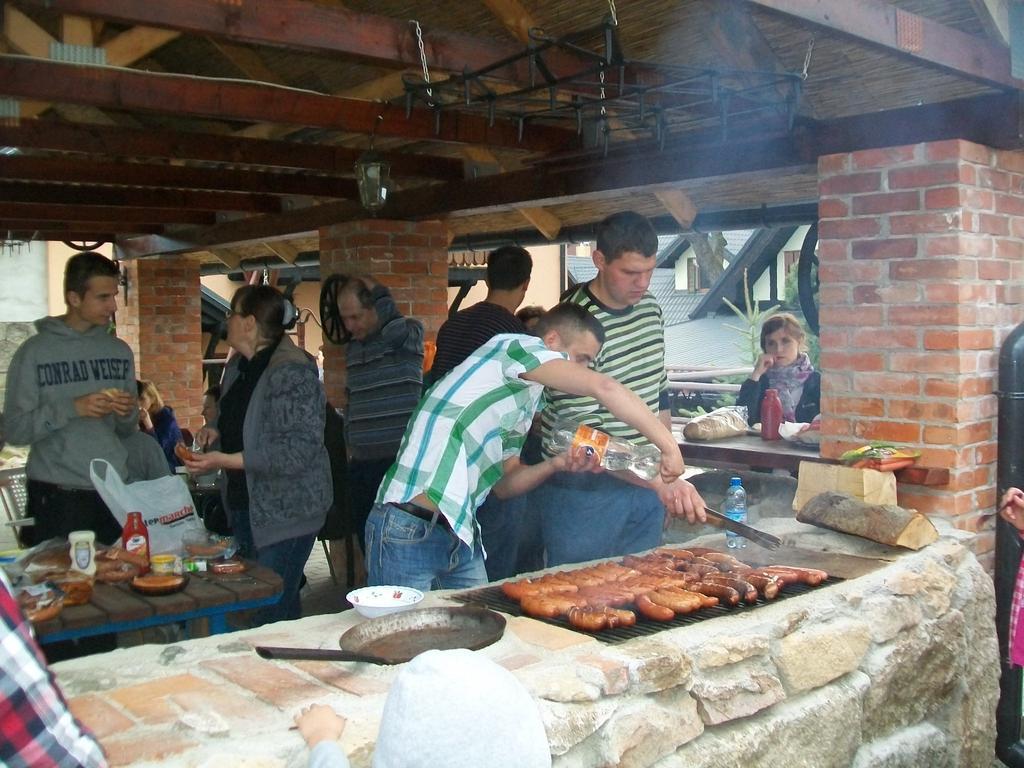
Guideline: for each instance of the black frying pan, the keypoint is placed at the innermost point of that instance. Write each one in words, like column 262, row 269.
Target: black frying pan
column 398, row 637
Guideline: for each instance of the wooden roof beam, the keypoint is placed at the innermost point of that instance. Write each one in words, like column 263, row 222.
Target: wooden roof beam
column 156, row 143
column 543, row 220
column 85, row 196
column 995, row 18
column 314, row 27
column 190, row 96
column 679, row 205
column 905, row 34
column 62, row 169
column 992, row 120
column 129, row 215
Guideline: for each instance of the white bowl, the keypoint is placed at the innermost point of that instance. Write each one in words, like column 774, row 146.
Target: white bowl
column 372, row 602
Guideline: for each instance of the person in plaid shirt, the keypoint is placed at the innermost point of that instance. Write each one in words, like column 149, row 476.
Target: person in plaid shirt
column 463, row 441
column 36, row 728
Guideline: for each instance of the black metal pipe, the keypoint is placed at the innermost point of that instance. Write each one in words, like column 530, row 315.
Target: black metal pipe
column 1009, row 472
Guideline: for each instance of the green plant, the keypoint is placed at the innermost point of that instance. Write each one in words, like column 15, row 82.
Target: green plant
column 752, row 317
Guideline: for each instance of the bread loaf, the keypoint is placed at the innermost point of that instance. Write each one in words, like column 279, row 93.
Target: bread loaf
column 721, row 422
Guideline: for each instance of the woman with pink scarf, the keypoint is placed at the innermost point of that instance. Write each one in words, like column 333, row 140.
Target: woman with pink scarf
column 785, row 367
column 1011, row 509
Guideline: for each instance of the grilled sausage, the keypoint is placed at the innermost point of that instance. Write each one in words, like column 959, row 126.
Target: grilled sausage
column 619, row 618
column 768, row 586
column 725, row 562
column 650, row 610
column 810, row 576
column 679, row 601
column 587, row 619
column 745, row 588
column 701, row 570
column 726, row 595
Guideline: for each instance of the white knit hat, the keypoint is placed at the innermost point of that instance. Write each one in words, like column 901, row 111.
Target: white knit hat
column 455, row 709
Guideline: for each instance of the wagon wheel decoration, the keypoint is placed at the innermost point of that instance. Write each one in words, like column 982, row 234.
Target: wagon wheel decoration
column 84, row 246
column 807, row 278
column 330, row 317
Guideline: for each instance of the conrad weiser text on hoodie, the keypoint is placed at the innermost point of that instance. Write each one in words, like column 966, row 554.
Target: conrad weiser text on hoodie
column 48, row 372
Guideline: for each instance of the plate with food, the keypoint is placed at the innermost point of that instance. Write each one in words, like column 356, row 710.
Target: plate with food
column 40, row 602
column 159, row 583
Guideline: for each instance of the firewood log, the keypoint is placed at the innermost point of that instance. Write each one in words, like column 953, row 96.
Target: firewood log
column 884, row 523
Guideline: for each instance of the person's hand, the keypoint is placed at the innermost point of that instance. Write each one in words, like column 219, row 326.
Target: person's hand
column 201, row 463
column 680, row 499
column 764, row 362
column 145, row 420
column 1011, row 508
column 205, row 436
column 671, row 465
column 122, row 403
column 95, row 405
column 577, row 459
column 319, row 723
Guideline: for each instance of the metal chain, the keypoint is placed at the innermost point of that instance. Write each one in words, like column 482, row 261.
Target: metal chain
column 615, row 16
column 807, row 58
column 603, row 110
column 423, row 60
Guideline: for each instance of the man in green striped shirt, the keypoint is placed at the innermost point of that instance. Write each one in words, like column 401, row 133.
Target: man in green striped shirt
column 615, row 513
column 463, row 441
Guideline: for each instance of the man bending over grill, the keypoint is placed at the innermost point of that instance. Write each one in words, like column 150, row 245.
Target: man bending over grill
column 463, row 441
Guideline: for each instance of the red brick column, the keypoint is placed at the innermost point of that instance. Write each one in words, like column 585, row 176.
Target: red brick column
column 409, row 257
column 920, row 261
column 160, row 321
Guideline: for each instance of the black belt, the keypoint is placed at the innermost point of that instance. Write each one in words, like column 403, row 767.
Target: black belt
column 423, row 514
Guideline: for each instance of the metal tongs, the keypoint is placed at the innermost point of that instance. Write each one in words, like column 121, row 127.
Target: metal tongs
column 761, row 538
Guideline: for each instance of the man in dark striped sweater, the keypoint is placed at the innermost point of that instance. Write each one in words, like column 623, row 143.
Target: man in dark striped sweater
column 508, row 277
column 384, row 380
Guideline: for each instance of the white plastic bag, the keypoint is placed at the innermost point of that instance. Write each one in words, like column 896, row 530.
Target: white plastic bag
column 165, row 503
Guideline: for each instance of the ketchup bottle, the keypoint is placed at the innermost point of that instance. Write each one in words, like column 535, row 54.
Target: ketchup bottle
column 135, row 537
column 771, row 415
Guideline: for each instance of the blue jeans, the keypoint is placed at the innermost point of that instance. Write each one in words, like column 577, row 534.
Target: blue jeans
column 404, row 550
column 287, row 559
column 500, row 521
column 589, row 517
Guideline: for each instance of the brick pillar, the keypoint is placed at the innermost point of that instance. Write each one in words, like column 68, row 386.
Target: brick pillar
column 920, row 266
column 409, row 257
column 160, row 321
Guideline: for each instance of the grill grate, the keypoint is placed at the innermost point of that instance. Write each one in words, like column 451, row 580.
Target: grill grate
column 495, row 599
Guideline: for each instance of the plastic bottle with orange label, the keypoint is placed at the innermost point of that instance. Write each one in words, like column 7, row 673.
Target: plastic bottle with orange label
column 135, row 536
column 612, row 453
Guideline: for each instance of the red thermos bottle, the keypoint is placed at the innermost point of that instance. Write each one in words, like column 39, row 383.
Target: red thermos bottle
column 771, row 415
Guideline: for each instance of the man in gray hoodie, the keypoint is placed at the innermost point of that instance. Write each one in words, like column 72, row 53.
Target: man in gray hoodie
column 71, row 396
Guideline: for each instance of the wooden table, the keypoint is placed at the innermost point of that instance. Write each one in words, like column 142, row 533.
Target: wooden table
column 752, row 452
column 204, row 604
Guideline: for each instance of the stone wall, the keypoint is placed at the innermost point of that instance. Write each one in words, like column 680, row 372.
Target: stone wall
column 920, row 265
column 896, row 668
column 11, row 337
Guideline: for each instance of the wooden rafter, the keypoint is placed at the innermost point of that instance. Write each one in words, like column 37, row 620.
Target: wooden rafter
column 992, row 120
column 188, row 96
column 995, row 18
column 310, row 26
column 127, row 214
column 156, row 143
column 884, row 25
column 540, row 219
column 84, row 196
column 679, row 205
column 180, row 177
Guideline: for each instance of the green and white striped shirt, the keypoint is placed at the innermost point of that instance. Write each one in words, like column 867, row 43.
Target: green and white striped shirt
column 466, row 425
column 633, row 354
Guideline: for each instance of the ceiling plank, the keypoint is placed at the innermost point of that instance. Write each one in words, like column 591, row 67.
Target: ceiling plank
column 905, row 34
column 283, row 250
column 248, row 62
column 314, row 27
column 543, row 220
column 188, row 200
column 25, row 35
column 183, row 95
column 136, row 44
column 228, row 258
column 156, row 143
column 515, row 18
column 126, row 214
column 70, row 227
column 990, row 120
column 679, row 205
column 76, row 30
column 181, row 177
column 995, row 18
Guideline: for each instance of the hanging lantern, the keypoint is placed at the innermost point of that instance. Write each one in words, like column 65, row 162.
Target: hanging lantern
column 373, row 175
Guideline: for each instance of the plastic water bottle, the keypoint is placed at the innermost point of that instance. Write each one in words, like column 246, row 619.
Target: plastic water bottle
column 735, row 508
column 612, row 453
